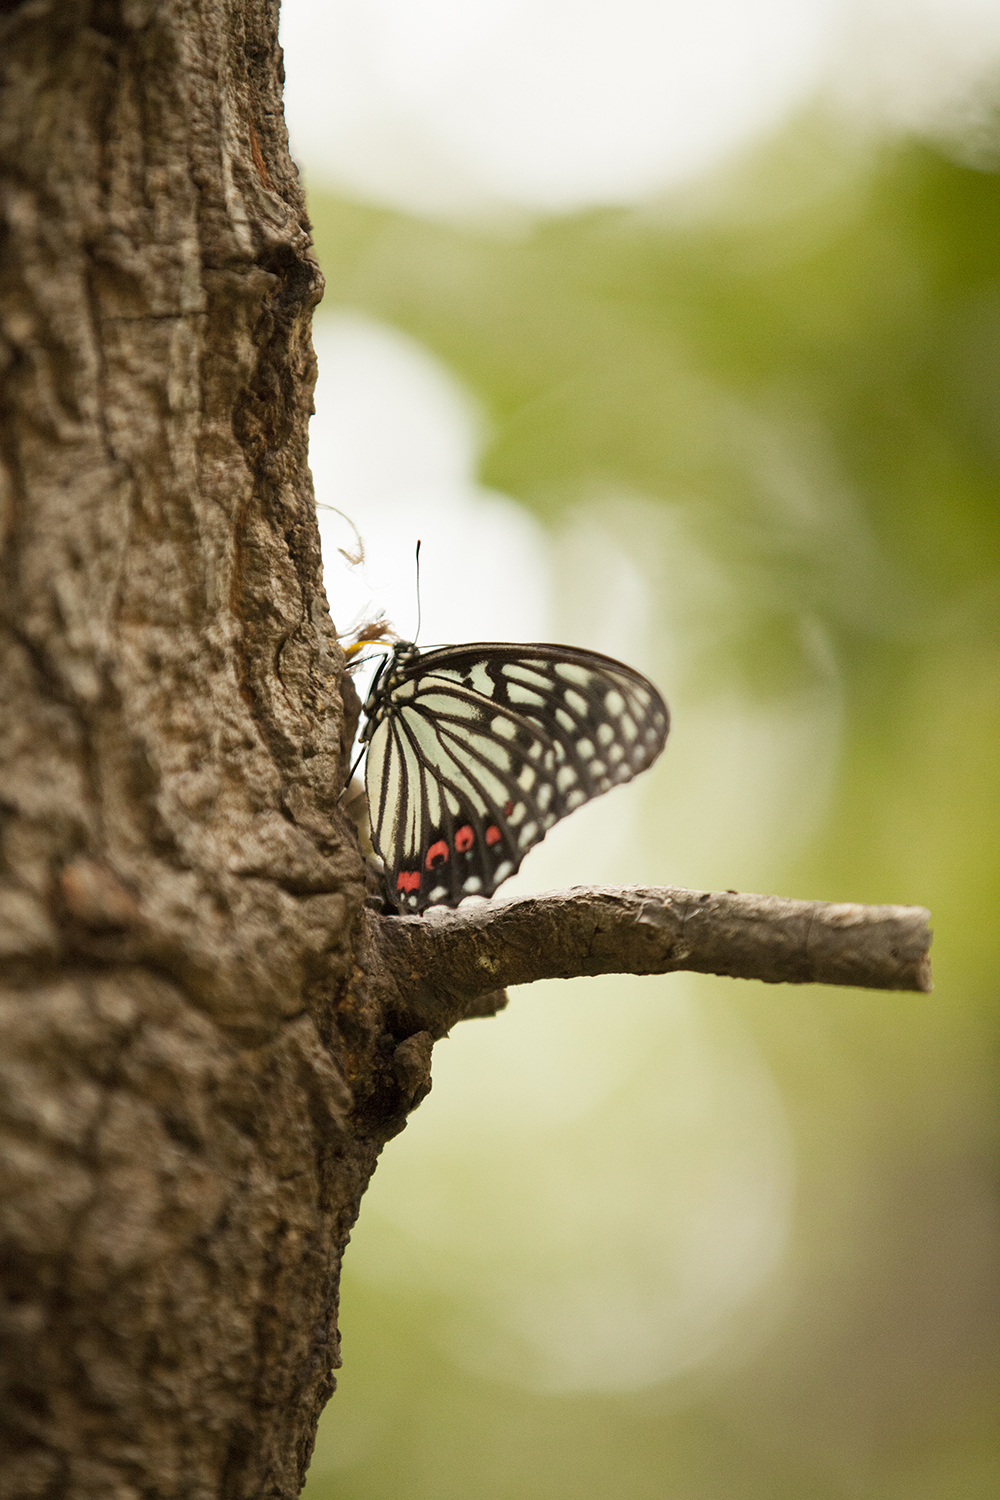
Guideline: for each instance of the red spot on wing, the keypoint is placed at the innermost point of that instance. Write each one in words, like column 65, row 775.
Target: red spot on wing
column 508, row 808
column 408, row 880
column 436, row 855
column 493, row 834
column 464, row 838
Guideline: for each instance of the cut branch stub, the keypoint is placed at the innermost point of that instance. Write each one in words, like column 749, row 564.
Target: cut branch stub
column 452, row 957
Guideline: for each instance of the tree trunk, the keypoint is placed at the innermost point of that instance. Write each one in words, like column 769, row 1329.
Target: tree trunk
column 179, row 893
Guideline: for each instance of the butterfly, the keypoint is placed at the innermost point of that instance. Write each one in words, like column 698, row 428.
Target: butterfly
column 475, row 751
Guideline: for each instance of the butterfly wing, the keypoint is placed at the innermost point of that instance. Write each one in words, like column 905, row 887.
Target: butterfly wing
column 476, row 751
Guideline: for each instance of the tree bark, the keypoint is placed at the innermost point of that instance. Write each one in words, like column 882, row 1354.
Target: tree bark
column 454, row 962
column 205, row 1040
column 180, row 894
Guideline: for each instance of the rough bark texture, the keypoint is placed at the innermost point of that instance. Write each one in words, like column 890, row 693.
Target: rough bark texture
column 449, row 961
column 177, row 890
column 204, row 1039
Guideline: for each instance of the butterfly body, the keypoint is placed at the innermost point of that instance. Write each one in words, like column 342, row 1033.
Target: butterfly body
column 475, row 751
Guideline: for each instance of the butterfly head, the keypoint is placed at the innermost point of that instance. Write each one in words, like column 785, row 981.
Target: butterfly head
column 395, row 666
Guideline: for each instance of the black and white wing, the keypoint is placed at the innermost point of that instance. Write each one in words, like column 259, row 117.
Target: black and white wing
column 475, row 751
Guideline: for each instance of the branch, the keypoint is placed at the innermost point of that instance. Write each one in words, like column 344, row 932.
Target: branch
column 657, row 930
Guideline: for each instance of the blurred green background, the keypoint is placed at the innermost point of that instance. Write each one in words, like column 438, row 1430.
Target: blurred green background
column 778, row 394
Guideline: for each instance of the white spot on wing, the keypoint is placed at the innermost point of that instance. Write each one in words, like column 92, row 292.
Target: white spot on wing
column 605, row 734
column 446, row 703
column 518, row 694
column 503, row 726
column 494, row 788
column 614, row 702
column 521, row 673
column 527, row 835
column 565, row 777
column 472, row 885
column 570, row 672
column 585, row 748
column 526, row 780
column 575, row 798
column 497, row 755
column 502, row 871
column 576, row 701
column 374, row 773
column 410, row 768
column 565, row 720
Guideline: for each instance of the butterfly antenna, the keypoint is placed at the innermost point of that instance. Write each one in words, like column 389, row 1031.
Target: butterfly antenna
column 417, row 636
